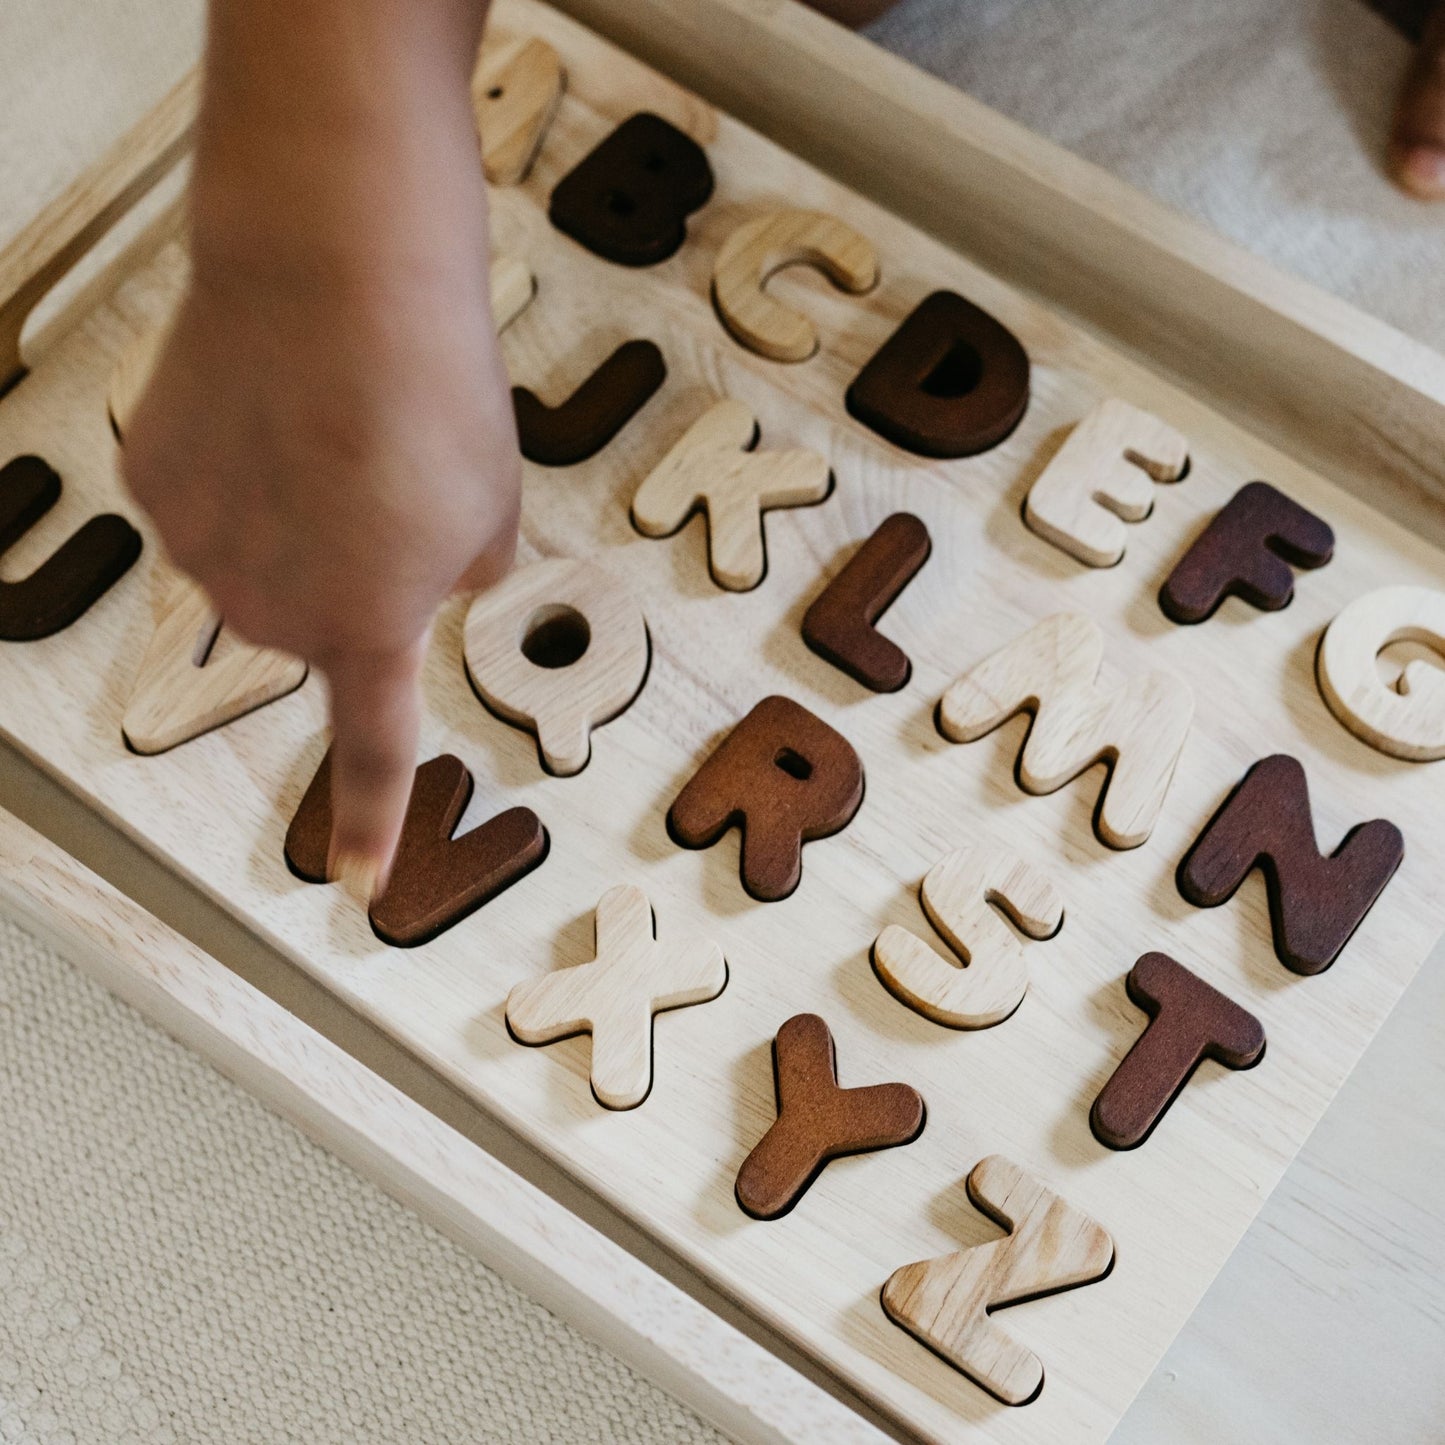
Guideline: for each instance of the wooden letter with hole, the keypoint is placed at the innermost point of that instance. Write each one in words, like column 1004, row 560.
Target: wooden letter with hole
column 632, row 977
column 817, row 1121
column 1103, row 473
column 1407, row 720
column 784, row 777
column 1246, row 551
column 1189, row 1022
column 713, row 467
column 194, row 678
column 590, row 668
column 1315, row 902
column 78, row 573
column 759, row 249
column 945, row 1302
column 629, row 198
column 516, row 89
column 1137, row 727
column 437, row 880
column 952, row 381
column 962, row 895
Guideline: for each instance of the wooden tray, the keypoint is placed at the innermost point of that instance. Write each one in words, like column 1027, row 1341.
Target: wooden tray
column 216, row 809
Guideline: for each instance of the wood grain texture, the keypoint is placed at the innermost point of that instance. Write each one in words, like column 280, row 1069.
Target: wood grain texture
column 513, row 287
column 962, row 895
column 714, row 468
column 560, row 648
column 818, row 1121
column 217, row 810
column 1104, row 476
column 1052, row 671
column 195, row 676
column 131, row 377
column 946, row 1302
column 1316, row 902
column 613, row 998
column 1189, row 1022
column 1266, row 349
column 841, row 624
column 77, row 218
column 513, row 1227
column 762, row 247
column 1406, row 720
column 516, row 89
column 1247, row 551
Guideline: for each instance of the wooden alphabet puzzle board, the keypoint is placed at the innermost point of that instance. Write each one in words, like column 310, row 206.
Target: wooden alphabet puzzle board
column 217, row 808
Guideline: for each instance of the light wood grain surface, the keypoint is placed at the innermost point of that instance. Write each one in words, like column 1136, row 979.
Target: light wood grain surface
column 757, row 250
column 1102, row 477
column 965, row 896
column 1074, row 369
column 517, row 637
column 195, row 676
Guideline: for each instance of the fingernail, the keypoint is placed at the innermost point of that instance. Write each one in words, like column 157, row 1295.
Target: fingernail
column 358, row 875
column 1421, row 170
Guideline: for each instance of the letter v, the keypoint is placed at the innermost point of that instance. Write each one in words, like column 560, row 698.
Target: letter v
column 437, row 880
column 190, row 683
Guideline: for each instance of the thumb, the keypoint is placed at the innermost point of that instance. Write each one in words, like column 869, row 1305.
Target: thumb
column 375, row 722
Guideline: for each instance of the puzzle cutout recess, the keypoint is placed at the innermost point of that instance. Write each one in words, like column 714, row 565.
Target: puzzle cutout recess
column 563, row 648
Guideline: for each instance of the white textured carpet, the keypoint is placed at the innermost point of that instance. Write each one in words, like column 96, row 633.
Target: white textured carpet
column 177, row 1265
column 1265, row 118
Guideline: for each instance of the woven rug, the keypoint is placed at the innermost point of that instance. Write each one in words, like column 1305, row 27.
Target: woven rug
column 1267, row 121
column 179, row 1265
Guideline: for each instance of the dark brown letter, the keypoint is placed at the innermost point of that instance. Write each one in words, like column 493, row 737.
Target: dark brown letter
column 1315, row 903
column 562, row 436
column 1188, row 1022
column 785, row 777
column 629, row 199
column 1245, row 552
column 78, row 573
column 437, row 880
column 951, row 381
column 841, row 624
column 817, row 1121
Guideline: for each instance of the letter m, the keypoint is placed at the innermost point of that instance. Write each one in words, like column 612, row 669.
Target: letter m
column 1136, row 727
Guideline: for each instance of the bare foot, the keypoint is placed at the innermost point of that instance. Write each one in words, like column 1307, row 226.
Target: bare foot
column 1417, row 144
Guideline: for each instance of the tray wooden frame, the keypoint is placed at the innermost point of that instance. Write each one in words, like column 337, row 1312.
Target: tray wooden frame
column 60, row 701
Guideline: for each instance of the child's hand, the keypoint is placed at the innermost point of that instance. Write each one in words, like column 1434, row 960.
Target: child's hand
column 327, row 445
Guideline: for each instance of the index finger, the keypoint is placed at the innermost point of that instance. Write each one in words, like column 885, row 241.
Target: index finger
column 375, row 723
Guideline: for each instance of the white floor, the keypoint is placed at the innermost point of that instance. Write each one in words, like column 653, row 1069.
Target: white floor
column 234, row 1298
